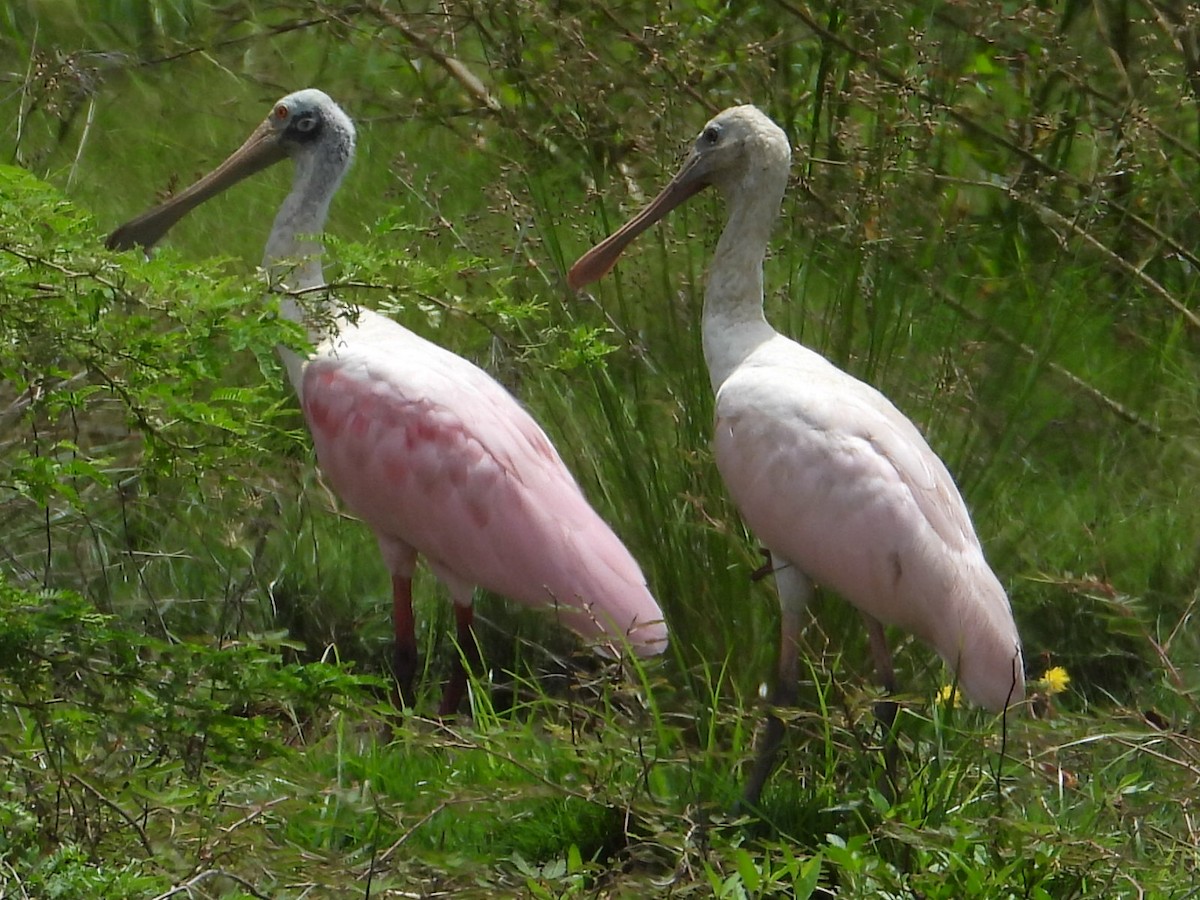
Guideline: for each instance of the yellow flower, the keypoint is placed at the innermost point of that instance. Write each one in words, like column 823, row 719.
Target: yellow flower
column 1055, row 680
column 948, row 695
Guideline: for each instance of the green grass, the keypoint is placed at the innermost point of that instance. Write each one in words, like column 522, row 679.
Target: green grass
column 989, row 220
column 286, row 776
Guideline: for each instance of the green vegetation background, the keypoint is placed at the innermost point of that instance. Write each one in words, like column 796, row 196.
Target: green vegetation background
column 992, row 219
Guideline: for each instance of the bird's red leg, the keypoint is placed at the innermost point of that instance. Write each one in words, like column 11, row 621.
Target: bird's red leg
column 885, row 710
column 795, row 590
column 404, row 661
column 468, row 652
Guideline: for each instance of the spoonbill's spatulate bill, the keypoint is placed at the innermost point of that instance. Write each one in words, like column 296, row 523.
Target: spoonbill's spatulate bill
column 837, row 483
column 432, row 453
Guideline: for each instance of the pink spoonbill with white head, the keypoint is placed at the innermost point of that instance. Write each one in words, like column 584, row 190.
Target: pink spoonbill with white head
column 434, row 455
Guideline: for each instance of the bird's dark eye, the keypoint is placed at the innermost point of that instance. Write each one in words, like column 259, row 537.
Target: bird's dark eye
column 711, row 134
column 304, row 127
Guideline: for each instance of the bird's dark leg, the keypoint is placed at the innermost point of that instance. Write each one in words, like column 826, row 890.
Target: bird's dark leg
column 885, row 710
column 404, row 660
column 468, row 653
column 765, row 569
column 795, row 590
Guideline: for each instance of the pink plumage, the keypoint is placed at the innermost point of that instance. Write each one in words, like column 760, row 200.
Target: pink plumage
column 439, row 459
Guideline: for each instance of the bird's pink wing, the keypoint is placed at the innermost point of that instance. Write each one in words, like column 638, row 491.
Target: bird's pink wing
column 829, row 475
column 433, row 454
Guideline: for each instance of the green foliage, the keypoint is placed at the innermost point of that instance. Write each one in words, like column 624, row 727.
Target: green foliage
column 68, row 873
column 110, row 736
column 992, row 220
column 116, row 391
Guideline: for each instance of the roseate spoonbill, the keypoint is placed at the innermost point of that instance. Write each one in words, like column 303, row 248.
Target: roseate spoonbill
column 432, row 453
column 835, row 481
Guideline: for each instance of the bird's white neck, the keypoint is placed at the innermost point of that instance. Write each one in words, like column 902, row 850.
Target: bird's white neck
column 292, row 258
column 734, row 323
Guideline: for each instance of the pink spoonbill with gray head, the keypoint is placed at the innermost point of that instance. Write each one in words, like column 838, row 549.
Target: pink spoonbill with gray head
column 434, row 455
column 830, row 476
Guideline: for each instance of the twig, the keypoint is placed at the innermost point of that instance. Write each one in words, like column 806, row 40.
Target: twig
column 87, row 130
column 454, row 68
column 403, row 839
column 22, row 112
column 285, row 28
column 1112, row 256
column 250, row 817
column 185, row 887
column 1116, row 407
column 1145, row 748
column 653, row 56
column 113, row 805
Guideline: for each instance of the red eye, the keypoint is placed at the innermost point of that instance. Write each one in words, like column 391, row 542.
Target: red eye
column 281, row 111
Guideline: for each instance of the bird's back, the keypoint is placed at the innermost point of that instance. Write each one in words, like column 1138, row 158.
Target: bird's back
column 435, row 455
column 833, row 478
